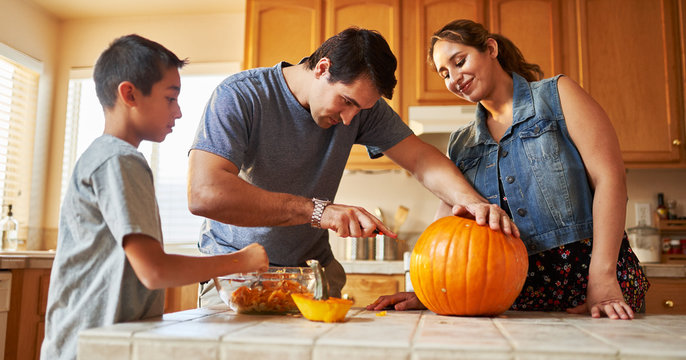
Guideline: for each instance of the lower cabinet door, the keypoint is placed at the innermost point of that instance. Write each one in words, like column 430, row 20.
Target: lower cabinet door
column 666, row 296
column 363, row 289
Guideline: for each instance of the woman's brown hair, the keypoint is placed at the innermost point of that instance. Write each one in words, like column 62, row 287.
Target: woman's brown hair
column 473, row 34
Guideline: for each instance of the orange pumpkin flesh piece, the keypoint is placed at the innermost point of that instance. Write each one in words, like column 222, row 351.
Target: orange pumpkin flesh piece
column 460, row 268
column 329, row 310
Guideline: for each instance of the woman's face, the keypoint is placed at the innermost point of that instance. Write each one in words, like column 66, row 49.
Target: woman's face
column 467, row 72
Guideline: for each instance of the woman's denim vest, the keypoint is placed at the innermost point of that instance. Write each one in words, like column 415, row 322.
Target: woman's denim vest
column 542, row 173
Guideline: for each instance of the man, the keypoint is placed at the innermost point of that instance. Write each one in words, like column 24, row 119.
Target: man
column 272, row 146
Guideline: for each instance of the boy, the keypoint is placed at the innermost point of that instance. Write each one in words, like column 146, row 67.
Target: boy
column 110, row 265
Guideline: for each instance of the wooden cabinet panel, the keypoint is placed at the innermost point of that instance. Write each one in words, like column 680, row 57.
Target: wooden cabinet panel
column 429, row 16
column 380, row 15
column 281, row 30
column 181, row 298
column 26, row 318
column 666, row 296
column 365, row 288
column 628, row 52
column 534, row 26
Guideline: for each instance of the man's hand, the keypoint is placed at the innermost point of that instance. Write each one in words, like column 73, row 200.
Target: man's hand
column 489, row 213
column 352, row 221
column 399, row 301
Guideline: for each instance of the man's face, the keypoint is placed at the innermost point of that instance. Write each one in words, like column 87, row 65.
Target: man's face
column 334, row 103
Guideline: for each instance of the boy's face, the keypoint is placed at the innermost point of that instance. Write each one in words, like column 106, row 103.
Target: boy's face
column 157, row 112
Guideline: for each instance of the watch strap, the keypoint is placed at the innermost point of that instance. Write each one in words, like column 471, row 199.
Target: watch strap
column 319, row 206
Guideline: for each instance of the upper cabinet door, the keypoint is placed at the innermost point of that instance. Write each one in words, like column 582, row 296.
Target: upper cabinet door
column 628, row 63
column 380, row 15
column 384, row 17
column 534, row 27
column 431, row 15
column 281, row 30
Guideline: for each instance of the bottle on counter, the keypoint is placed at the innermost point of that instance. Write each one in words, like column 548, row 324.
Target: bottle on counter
column 9, row 226
column 675, row 246
column 671, row 210
column 661, row 209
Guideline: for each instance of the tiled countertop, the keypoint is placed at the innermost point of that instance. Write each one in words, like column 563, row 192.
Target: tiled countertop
column 664, row 270
column 215, row 333
column 30, row 259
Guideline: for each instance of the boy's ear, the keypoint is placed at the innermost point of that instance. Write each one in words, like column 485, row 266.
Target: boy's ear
column 126, row 92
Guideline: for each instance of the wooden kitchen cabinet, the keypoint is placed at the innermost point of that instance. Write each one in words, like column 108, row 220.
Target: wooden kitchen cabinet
column 270, row 39
column 380, row 15
column 636, row 76
column 516, row 19
column 363, row 289
column 281, row 30
column 26, row 318
column 181, row 298
column 666, row 296
column 628, row 54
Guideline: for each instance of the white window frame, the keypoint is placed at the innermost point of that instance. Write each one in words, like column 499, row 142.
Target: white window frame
column 192, row 69
column 28, row 207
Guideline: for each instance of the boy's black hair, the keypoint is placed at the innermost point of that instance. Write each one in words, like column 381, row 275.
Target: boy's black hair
column 354, row 52
column 131, row 58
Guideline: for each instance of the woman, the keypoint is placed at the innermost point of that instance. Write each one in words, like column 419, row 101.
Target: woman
column 547, row 153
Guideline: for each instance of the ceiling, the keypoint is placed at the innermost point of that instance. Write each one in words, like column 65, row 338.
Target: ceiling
column 84, row 9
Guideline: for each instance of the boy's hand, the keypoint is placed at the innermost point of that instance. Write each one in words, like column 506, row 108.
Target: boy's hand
column 254, row 258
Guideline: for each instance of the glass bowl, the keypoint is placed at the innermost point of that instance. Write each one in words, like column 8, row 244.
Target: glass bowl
column 267, row 292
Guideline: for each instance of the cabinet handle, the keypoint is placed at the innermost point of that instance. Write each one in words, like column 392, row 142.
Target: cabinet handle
column 668, row 304
column 676, row 142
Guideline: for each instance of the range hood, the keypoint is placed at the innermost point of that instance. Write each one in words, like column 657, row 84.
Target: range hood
column 440, row 119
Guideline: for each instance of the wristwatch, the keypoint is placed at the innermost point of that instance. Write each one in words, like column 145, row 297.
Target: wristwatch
column 319, row 205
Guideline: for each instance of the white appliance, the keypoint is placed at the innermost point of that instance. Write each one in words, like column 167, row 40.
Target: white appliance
column 5, row 290
column 440, row 119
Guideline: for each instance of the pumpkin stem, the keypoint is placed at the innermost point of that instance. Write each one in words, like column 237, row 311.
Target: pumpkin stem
column 321, row 286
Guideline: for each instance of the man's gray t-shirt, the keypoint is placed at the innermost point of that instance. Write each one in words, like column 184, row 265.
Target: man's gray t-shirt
column 92, row 284
column 253, row 120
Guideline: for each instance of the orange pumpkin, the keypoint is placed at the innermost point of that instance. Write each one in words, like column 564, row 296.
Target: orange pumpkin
column 460, row 268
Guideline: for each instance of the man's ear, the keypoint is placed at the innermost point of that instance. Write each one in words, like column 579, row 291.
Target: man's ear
column 322, row 67
column 126, row 92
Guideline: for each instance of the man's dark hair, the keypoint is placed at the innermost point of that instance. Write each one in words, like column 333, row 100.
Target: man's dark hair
column 356, row 52
column 131, row 58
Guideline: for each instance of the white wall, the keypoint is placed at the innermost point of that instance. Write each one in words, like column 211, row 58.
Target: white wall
column 32, row 31
column 202, row 38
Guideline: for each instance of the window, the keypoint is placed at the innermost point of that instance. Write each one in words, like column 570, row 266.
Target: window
column 168, row 159
column 19, row 76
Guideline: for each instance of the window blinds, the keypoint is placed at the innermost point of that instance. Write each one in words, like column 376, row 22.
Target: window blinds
column 18, row 103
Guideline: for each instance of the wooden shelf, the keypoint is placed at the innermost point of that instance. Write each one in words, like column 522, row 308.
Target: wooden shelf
column 673, row 259
column 670, row 226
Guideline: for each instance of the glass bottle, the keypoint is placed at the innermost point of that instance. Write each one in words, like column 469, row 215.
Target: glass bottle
column 9, row 227
column 671, row 210
column 661, row 208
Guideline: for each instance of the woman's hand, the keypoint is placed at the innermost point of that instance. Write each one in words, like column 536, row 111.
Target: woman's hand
column 604, row 296
column 488, row 214
column 399, row 301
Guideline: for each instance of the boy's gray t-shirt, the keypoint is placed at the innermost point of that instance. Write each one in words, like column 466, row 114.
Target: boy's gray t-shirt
column 92, row 284
column 253, row 120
